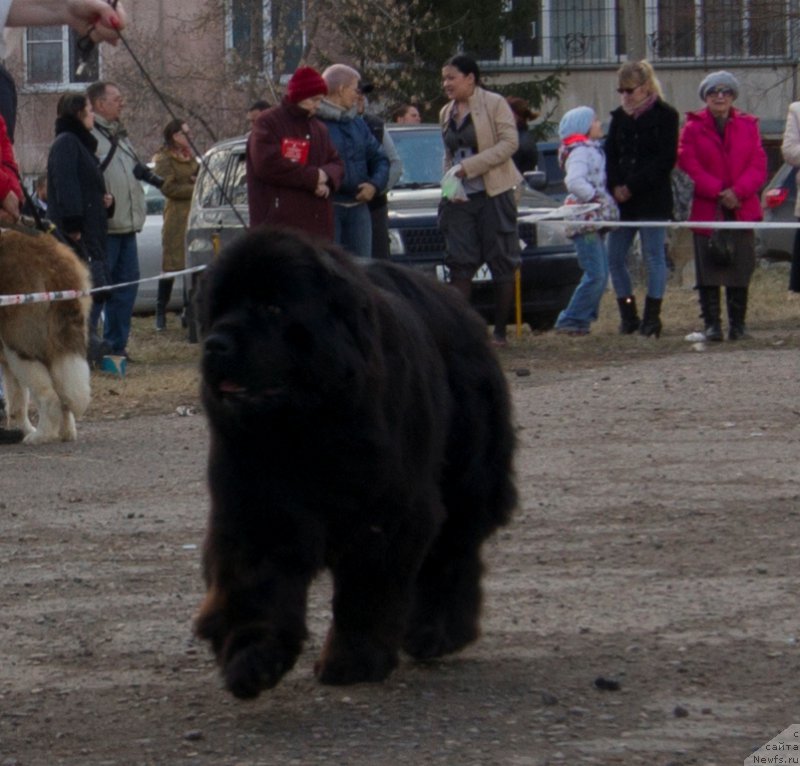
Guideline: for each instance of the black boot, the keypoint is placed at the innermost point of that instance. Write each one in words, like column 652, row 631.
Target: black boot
column 651, row 321
column 504, row 298
column 162, row 301
column 736, row 298
column 629, row 318
column 11, row 435
column 709, row 306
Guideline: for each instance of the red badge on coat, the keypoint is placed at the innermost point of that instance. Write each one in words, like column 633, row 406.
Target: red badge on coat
column 295, row 149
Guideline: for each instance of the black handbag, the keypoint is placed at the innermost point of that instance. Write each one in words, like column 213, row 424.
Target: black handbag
column 721, row 247
column 98, row 266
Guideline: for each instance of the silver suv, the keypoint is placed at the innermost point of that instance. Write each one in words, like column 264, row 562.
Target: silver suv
column 549, row 271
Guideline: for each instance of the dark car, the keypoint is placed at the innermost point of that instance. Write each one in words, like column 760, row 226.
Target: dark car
column 549, row 270
column 778, row 200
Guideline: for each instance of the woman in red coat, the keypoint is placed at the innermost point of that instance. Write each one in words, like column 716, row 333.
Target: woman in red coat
column 10, row 190
column 720, row 148
column 292, row 165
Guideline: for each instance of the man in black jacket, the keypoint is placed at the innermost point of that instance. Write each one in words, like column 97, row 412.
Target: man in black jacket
column 379, row 204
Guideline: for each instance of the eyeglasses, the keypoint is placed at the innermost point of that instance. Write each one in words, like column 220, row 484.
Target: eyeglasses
column 628, row 91
column 711, row 92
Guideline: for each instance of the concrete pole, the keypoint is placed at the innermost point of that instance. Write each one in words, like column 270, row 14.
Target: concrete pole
column 635, row 30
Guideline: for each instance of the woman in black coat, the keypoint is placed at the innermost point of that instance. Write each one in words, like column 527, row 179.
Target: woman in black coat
column 77, row 200
column 641, row 151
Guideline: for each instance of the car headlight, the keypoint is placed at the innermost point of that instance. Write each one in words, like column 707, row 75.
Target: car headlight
column 551, row 234
column 396, row 245
column 199, row 252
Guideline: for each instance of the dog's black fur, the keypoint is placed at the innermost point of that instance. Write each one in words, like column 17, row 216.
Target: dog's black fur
column 359, row 421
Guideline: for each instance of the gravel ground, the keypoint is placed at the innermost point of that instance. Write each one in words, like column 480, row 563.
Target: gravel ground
column 656, row 547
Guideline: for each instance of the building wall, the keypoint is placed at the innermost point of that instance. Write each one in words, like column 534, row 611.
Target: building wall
column 765, row 91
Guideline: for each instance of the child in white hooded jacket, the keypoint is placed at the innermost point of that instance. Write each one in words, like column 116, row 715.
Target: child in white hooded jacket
column 583, row 159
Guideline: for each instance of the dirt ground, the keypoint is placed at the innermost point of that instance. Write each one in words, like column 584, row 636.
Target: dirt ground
column 657, row 546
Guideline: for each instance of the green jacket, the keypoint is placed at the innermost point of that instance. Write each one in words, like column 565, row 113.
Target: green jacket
column 179, row 175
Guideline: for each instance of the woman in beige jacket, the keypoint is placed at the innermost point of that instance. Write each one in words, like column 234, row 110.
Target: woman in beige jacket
column 790, row 148
column 175, row 163
column 480, row 137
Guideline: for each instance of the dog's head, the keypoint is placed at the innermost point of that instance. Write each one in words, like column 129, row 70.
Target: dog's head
column 288, row 324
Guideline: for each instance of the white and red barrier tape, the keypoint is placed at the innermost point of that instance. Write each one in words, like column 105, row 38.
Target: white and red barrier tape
column 546, row 215
column 68, row 295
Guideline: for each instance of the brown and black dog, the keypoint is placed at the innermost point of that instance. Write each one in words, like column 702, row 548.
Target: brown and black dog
column 43, row 345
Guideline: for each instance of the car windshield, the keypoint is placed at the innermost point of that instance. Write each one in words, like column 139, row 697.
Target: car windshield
column 422, row 153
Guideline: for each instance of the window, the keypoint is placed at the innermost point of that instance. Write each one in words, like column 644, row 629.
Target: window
column 526, row 25
column 247, row 31
column 209, row 183
column 562, row 31
column 582, row 30
column 719, row 29
column 51, row 57
column 585, row 32
column 267, row 35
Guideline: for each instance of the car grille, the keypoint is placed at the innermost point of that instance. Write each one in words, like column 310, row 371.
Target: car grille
column 427, row 240
column 430, row 240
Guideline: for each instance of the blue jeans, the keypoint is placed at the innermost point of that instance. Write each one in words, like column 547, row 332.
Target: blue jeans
column 353, row 229
column 585, row 301
column 123, row 265
column 619, row 243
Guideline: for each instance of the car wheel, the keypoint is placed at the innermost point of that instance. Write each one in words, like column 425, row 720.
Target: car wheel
column 191, row 317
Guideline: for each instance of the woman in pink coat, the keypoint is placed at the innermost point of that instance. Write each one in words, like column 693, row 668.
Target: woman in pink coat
column 720, row 148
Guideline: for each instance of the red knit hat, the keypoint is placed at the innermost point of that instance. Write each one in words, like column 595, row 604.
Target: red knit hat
column 305, row 83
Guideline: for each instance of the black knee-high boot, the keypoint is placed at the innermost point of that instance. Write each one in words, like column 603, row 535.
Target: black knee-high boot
column 651, row 319
column 504, row 299
column 162, row 301
column 710, row 308
column 629, row 317
column 736, row 298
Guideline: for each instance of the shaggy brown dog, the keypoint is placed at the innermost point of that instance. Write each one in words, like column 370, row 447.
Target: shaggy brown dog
column 43, row 345
column 359, row 421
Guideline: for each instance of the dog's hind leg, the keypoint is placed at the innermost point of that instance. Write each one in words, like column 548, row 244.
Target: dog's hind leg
column 373, row 591
column 70, row 376
column 68, row 431
column 447, row 601
column 36, row 377
column 16, row 401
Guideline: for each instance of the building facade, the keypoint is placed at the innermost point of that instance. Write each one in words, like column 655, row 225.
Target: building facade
column 210, row 58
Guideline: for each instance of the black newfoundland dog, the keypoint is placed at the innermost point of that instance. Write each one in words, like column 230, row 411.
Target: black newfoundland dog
column 359, row 421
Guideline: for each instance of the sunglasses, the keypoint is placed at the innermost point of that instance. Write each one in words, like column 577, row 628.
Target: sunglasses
column 628, row 91
column 719, row 92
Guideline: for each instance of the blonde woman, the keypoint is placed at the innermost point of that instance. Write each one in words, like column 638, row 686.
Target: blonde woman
column 641, row 150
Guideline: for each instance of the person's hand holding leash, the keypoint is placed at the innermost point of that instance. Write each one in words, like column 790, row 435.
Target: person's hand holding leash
column 98, row 19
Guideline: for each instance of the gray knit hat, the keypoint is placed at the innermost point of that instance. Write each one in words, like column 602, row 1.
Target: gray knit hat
column 718, row 80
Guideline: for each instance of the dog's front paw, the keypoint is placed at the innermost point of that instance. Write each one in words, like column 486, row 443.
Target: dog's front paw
column 427, row 642
column 252, row 660
column 353, row 661
column 38, row 436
